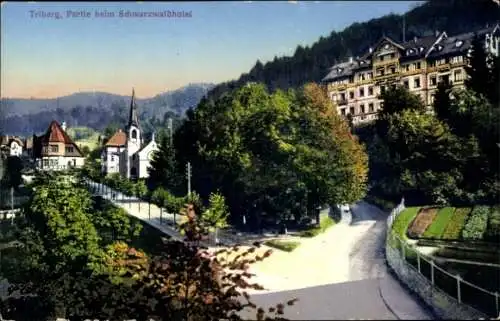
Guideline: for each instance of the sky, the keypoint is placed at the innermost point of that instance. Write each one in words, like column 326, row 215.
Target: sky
column 48, row 51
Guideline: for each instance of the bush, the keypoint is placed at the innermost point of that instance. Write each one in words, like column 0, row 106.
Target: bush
column 493, row 229
column 454, row 228
column 287, row 246
column 436, row 229
column 323, row 226
column 476, row 225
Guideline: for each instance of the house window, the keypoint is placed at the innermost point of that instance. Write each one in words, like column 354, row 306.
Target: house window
column 362, row 77
column 406, row 84
column 416, row 82
column 433, row 81
column 380, row 72
column 382, row 89
column 69, row 149
column 393, row 70
column 342, row 96
column 362, row 107
column 457, row 75
column 370, row 107
column 351, row 95
column 351, row 110
column 342, row 111
column 407, row 67
column 54, row 148
column 134, row 134
column 370, row 75
column 361, row 92
column 393, row 55
column 370, row 91
column 418, row 65
column 432, row 64
column 45, row 163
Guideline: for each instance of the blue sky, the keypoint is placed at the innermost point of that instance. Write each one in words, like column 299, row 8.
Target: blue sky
column 48, row 57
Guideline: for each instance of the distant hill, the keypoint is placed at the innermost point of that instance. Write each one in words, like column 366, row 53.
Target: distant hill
column 310, row 64
column 94, row 109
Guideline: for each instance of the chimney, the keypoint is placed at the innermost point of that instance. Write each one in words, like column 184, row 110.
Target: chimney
column 63, row 125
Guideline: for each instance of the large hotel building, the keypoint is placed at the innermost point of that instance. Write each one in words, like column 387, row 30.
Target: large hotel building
column 419, row 64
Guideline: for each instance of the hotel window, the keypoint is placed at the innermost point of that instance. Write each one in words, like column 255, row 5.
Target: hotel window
column 361, row 92
column 380, row 72
column 362, row 77
column 406, row 84
column 416, row 82
column 393, row 70
column 418, row 65
column 457, row 75
column 370, row 107
column 351, row 95
column 370, row 75
column 54, row 148
column 370, row 91
column 393, row 55
column 432, row 64
column 407, row 67
column 351, row 110
column 342, row 111
column 351, row 79
column 433, row 81
column 342, row 96
column 362, row 107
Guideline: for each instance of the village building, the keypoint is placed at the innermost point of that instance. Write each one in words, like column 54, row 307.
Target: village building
column 55, row 150
column 11, row 146
column 125, row 152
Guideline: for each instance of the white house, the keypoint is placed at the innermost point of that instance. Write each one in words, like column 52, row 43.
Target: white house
column 125, row 152
column 11, row 146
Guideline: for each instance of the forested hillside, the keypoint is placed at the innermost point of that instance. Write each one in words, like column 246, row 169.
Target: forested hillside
column 311, row 63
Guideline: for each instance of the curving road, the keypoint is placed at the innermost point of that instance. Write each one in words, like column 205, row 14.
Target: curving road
column 370, row 291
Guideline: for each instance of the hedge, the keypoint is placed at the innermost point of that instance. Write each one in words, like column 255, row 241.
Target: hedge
column 453, row 230
column 477, row 223
column 493, row 229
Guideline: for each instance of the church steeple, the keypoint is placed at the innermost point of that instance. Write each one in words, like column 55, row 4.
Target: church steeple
column 133, row 117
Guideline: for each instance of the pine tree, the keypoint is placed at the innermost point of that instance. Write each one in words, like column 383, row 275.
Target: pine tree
column 163, row 171
column 477, row 70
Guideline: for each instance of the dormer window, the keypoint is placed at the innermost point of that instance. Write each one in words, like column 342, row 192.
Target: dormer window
column 459, row 43
column 339, row 70
column 386, row 46
column 421, row 49
column 439, row 47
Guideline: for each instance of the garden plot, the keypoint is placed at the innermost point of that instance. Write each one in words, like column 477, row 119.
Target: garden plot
column 423, row 220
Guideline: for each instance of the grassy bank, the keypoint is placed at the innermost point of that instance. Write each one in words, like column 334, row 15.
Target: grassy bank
column 287, row 246
column 324, row 224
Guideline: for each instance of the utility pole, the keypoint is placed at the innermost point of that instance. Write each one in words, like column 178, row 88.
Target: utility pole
column 188, row 175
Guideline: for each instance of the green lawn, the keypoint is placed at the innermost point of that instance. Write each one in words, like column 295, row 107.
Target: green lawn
column 454, row 228
column 403, row 220
column 438, row 226
column 287, row 246
column 324, row 224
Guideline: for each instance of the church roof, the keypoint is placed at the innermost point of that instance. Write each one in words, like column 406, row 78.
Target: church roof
column 118, row 139
column 133, row 116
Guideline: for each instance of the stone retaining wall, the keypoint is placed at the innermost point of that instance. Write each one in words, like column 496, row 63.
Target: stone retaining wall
column 443, row 305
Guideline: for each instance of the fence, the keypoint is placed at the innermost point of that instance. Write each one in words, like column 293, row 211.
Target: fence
column 454, row 286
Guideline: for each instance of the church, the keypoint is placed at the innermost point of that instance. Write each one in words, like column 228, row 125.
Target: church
column 125, row 152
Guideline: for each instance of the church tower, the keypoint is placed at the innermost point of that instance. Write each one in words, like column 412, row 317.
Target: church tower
column 134, row 138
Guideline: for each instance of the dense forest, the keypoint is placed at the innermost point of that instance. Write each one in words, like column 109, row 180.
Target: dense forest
column 310, row 64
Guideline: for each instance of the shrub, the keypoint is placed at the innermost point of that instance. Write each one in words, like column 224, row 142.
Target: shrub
column 287, row 246
column 493, row 229
column 323, row 226
column 454, row 228
column 436, row 229
column 476, row 225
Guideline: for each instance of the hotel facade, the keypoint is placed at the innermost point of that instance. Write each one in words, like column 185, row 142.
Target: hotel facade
column 419, row 65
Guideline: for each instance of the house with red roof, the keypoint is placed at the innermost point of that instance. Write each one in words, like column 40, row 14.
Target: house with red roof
column 125, row 152
column 55, row 150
